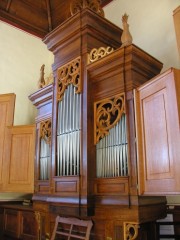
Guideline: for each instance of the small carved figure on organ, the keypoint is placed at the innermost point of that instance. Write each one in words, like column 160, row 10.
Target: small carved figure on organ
column 41, row 82
column 126, row 37
column 44, row 81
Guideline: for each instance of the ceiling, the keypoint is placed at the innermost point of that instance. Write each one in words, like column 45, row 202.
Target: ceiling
column 37, row 17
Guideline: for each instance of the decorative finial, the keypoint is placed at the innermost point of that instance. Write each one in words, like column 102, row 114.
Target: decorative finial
column 126, row 37
column 41, row 82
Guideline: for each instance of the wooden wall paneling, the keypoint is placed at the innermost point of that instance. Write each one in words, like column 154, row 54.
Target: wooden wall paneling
column 19, row 159
column 28, row 225
column 1, row 221
column 19, row 222
column 157, row 116
column 7, row 102
column 11, row 222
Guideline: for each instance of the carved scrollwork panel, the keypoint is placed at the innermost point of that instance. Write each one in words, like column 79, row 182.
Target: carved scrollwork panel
column 130, row 231
column 78, row 5
column 106, row 114
column 96, row 54
column 45, row 131
column 69, row 74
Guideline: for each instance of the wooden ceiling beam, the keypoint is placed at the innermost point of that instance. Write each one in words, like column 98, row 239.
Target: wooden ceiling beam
column 8, row 5
column 49, row 15
column 19, row 23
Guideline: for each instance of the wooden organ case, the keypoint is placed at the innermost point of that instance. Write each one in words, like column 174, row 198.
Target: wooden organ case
column 86, row 156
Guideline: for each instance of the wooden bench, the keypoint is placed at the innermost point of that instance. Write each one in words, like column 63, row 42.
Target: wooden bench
column 71, row 228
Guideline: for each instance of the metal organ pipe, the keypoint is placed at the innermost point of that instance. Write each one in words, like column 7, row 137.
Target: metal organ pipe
column 68, row 133
column 111, row 152
column 44, row 160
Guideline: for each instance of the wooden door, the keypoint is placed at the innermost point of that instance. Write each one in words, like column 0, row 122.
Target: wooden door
column 7, row 102
column 19, row 159
column 158, row 137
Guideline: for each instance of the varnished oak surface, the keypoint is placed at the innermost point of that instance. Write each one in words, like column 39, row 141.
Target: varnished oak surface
column 108, row 202
column 7, row 103
column 18, row 158
column 157, row 111
column 19, row 222
column 37, row 17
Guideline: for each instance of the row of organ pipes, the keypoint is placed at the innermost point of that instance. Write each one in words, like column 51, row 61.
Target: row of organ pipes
column 111, row 150
column 69, row 133
column 44, row 161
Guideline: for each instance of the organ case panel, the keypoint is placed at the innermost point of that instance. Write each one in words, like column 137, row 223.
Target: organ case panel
column 158, row 137
column 42, row 99
column 68, row 128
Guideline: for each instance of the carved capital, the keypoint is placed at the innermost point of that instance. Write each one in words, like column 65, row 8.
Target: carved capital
column 106, row 114
column 69, row 74
column 78, row 5
column 130, row 230
column 45, row 131
column 96, row 54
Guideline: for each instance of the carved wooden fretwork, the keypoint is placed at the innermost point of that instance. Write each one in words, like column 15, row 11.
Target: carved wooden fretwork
column 96, row 54
column 78, row 5
column 45, row 131
column 106, row 114
column 130, row 231
column 69, row 74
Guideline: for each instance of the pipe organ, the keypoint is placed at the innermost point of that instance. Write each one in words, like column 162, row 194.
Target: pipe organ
column 87, row 166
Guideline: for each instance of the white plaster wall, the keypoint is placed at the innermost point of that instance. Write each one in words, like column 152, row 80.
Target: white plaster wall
column 21, row 56
column 151, row 26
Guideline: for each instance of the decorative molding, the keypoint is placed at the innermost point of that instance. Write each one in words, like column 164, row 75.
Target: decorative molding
column 96, row 54
column 78, row 5
column 130, row 231
column 69, row 74
column 45, row 131
column 106, row 114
